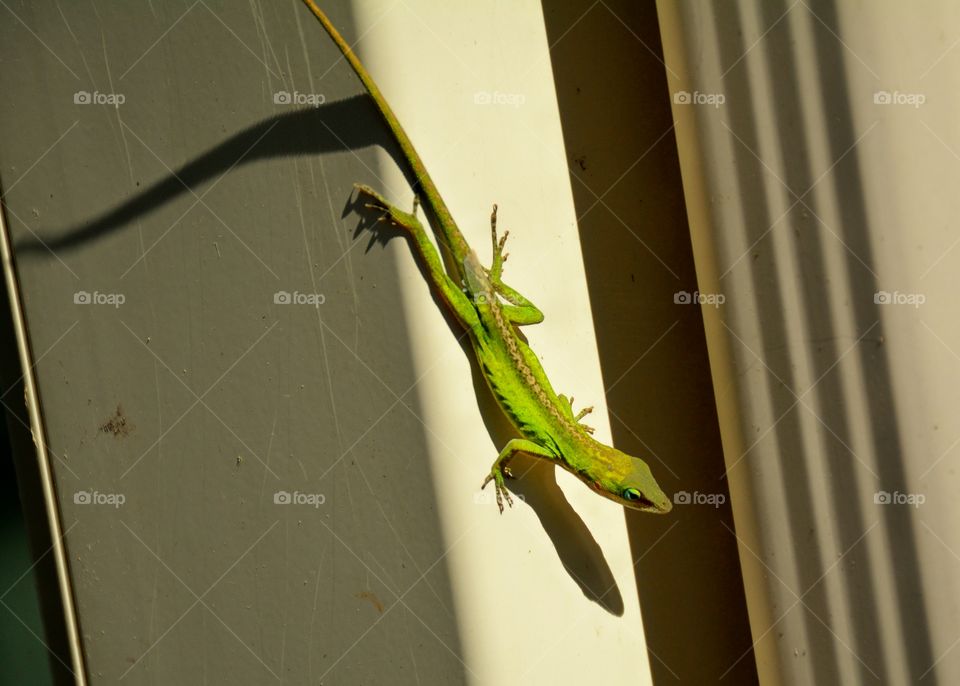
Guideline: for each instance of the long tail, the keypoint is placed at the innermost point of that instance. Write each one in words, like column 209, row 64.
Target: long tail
column 430, row 195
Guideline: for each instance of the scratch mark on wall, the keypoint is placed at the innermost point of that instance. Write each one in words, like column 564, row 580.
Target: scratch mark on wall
column 342, row 242
column 267, row 470
column 79, row 45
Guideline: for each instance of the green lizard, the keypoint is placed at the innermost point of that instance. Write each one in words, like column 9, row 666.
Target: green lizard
column 490, row 311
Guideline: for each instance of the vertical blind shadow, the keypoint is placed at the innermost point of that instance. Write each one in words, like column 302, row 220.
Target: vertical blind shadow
column 811, row 243
column 774, row 344
column 874, row 364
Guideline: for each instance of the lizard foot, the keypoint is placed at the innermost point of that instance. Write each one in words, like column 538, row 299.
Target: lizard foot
column 568, row 402
column 580, row 415
column 397, row 217
column 499, row 257
column 496, row 475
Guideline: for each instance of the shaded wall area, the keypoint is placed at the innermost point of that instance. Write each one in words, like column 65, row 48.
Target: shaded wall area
column 624, row 172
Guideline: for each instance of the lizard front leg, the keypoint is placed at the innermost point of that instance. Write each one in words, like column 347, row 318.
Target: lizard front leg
column 520, row 311
column 499, row 468
column 567, row 404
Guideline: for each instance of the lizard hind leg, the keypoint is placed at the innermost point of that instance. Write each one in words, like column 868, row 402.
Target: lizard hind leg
column 394, row 215
column 447, row 290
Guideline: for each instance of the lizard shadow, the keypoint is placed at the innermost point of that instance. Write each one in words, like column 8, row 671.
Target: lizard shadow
column 576, row 547
column 344, row 125
column 339, row 126
column 535, row 482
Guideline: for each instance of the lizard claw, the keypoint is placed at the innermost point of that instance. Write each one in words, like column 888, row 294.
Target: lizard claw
column 501, row 490
column 580, row 415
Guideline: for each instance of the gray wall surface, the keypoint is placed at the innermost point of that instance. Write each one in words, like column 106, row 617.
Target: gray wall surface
column 198, row 398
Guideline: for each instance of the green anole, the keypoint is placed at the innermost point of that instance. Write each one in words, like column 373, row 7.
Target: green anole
column 490, row 311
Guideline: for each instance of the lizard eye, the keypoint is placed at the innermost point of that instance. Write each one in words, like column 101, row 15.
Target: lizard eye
column 632, row 494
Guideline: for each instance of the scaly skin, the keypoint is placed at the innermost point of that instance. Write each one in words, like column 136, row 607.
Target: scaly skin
column 490, row 311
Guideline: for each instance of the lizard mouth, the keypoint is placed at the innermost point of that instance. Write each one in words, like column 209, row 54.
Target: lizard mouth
column 647, row 505
column 662, row 508
column 644, row 504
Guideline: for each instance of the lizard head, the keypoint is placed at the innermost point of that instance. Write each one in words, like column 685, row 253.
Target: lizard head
column 640, row 491
column 628, row 481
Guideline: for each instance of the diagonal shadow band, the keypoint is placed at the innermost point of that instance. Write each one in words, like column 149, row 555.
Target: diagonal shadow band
column 343, row 125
